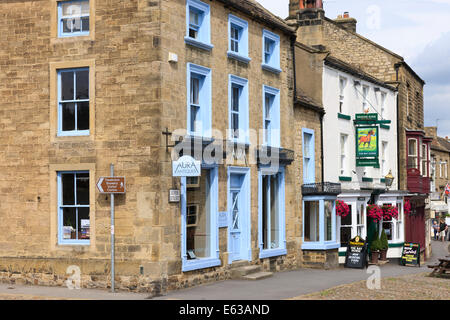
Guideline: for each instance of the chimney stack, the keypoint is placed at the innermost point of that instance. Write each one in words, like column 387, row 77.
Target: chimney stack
column 300, row 5
column 347, row 22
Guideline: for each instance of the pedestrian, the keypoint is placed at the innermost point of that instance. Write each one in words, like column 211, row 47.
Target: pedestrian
column 435, row 229
column 442, row 229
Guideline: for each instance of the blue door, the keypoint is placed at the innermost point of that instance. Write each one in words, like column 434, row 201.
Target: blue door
column 238, row 214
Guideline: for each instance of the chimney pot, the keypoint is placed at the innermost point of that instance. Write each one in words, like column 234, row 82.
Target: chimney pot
column 346, row 14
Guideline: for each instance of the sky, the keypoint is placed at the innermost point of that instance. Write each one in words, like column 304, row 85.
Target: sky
column 418, row 30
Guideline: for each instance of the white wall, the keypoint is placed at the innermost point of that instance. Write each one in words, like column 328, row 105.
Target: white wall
column 333, row 127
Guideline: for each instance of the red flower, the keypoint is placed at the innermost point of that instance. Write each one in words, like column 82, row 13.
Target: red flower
column 389, row 212
column 374, row 212
column 407, row 207
column 342, row 209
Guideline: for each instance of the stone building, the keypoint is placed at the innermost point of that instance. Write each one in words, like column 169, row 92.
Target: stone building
column 136, row 83
column 339, row 37
column 440, row 158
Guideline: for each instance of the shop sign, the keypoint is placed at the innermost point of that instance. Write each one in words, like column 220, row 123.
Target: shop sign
column 367, row 146
column 366, row 117
column 186, row 166
column 356, row 256
column 111, row 185
column 411, row 254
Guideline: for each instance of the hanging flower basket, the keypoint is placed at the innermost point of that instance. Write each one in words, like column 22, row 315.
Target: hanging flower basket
column 342, row 209
column 374, row 212
column 407, row 207
column 389, row 212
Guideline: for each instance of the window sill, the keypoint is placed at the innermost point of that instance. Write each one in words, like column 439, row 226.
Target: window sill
column 239, row 57
column 73, row 243
column 383, row 126
column 74, row 134
column 271, row 68
column 344, row 116
column 367, row 179
column 345, row 179
column 190, row 265
column 320, row 245
column 71, row 35
column 268, row 253
column 198, row 44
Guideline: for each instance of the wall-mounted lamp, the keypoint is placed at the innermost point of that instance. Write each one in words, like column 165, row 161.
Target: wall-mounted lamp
column 389, row 179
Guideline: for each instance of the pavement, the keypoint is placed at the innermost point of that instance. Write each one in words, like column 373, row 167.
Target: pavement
column 282, row 285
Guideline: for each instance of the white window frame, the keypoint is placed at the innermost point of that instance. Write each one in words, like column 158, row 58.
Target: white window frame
column 416, row 156
column 343, row 154
column 383, row 97
column 365, row 94
column 203, row 39
column 342, row 86
column 243, row 113
column 61, row 240
column 205, row 100
column 74, row 132
column 242, row 53
column 80, row 15
column 273, row 63
column 384, row 158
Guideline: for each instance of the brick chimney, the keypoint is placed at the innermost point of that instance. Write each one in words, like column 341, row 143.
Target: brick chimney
column 297, row 5
column 431, row 131
column 347, row 22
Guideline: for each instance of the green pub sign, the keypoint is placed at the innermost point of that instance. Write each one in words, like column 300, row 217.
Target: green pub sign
column 366, row 117
column 367, row 142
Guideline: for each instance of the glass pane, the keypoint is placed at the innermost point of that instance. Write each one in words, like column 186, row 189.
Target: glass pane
column 67, row 86
column 82, row 85
column 83, row 116
column 328, row 222
column 68, row 194
column 347, row 220
column 193, row 33
column 76, row 24
column 69, row 218
column 67, row 25
column 235, row 99
column 195, row 86
column 82, row 188
column 412, row 147
column 198, row 236
column 307, row 145
column 274, row 213
column 387, row 226
column 193, row 18
column 194, row 118
column 235, row 124
column 265, row 211
column 84, row 224
column 346, row 235
column 85, row 7
column 268, row 105
column 72, row 8
column 85, row 24
column 311, row 221
column 235, row 210
column 68, row 116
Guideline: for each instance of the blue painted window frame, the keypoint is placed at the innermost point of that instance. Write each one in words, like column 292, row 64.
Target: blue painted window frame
column 272, row 62
column 246, row 224
column 61, row 241
column 243, row 114
column 242, row 26
column 309, row 171
column 214, row 259
column 62, row 34
column 322, row 244
column 205, row 99
column 203, row 40
column 267, row 253
column 75, row 132
column 273, row 116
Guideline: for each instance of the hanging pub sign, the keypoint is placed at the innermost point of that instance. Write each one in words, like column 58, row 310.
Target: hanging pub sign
column 366, row 117
column 356, row 256
column 410, row 254
column 367, row 146
column 186, row 166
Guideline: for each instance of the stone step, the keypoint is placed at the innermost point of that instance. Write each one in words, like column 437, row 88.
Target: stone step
column 243, row 271
column 240, row 263
column 258, row 276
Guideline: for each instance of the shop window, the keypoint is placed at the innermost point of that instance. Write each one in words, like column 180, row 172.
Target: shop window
column 319, row 223
column 271, row 52
column 199, row 220
column 73, row 102
column 238, row 109
column 199, row 100
column 272, row 214
column 198, row 29
column 73, row 18
column 238, row 39
column 73, row 203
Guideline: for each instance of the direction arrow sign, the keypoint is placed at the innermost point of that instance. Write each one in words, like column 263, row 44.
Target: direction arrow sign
column 111, row 185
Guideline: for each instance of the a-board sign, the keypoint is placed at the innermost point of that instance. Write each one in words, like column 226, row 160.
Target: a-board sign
column 111, row 185
column 411, row 254
column 356, row 256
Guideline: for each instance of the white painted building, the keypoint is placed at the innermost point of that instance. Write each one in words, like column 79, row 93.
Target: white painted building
column 348, row 91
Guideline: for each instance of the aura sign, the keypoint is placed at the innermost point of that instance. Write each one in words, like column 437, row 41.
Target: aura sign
column 186, row 166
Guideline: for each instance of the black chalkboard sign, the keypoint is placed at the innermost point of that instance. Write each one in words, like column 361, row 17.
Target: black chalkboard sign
column 356, row 256
column 411, row 254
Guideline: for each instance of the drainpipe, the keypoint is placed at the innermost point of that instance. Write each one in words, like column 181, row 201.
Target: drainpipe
column 321, row 147
column 293, row 40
